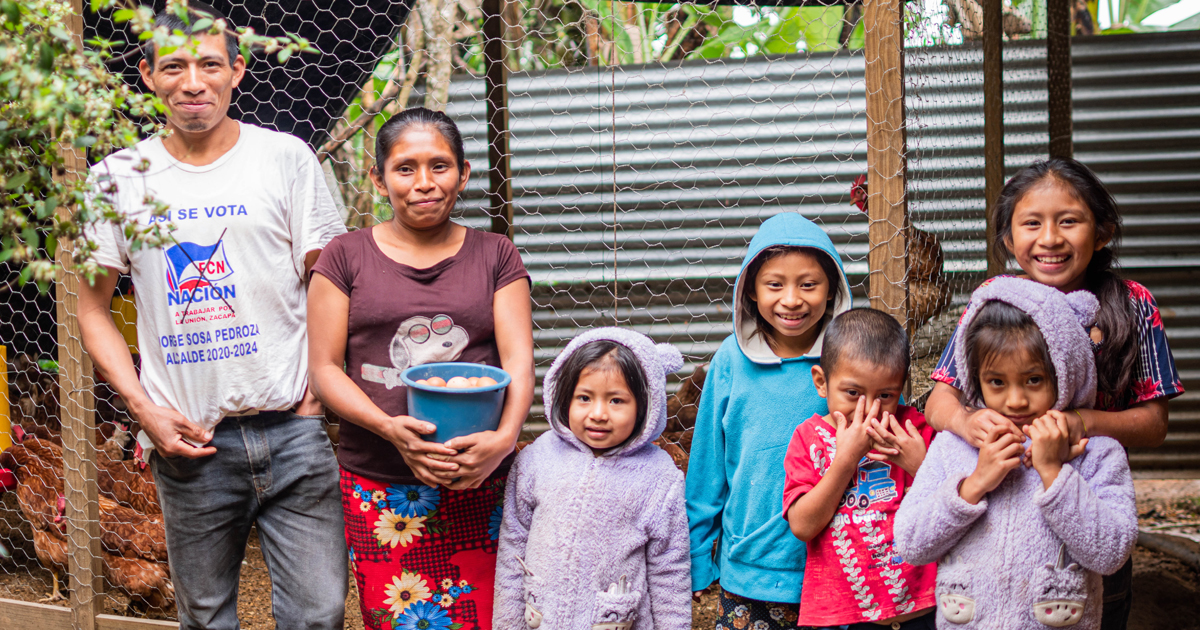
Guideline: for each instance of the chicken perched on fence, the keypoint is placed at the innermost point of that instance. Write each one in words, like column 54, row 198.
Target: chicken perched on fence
column 676, row 440
column 928, row 288
column 133, row 541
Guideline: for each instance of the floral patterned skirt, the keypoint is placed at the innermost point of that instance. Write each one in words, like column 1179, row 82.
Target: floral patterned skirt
column 423, row 558
column 735, row 612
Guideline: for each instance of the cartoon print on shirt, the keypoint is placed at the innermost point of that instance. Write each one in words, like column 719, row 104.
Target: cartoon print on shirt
column 419, row 340
column 873, row 483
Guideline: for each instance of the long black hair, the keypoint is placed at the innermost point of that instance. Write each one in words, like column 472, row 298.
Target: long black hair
column 747, row 306
column 598, row 355
column 1000, row 328
column 395, row 127
column 1117, row 318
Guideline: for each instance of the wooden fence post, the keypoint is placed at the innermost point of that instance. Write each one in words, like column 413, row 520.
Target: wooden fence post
column 495, row 54
column 1058, row 77
column 77, row 411
column 993, row 123
column 887, row 170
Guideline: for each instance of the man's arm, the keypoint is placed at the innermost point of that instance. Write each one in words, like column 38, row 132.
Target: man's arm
column 110, row 354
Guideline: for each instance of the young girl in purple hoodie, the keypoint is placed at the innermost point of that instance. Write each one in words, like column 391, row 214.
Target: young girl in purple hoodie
column 1022, row 528
column 595, row 534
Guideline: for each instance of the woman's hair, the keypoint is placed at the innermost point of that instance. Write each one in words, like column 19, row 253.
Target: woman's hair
column 749, row 310
column 395, row 127
column 601, row 355
column 1116, row 319
column 1001, row 329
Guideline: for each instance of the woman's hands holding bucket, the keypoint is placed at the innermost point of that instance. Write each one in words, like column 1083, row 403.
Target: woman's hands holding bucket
column 478, row 454
column 430, row 461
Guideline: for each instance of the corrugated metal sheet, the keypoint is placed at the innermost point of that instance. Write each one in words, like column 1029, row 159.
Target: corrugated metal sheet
column 705, row 151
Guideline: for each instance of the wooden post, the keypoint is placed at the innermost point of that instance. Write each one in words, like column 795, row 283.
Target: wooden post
column 886, row 161
column 993, row 123
column 495, row 55
column 77, row 411
column 1058, row 76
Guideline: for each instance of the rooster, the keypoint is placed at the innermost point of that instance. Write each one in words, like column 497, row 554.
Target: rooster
column 928, row 287
column 133, row 542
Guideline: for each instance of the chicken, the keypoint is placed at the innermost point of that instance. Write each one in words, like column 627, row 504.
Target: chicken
column 35, row 391
column 928, row 287
column 133, row 543
column 683, row 404
column 968, row 14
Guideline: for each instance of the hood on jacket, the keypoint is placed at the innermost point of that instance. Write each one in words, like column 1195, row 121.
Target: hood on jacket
column 791, row 229
column 656, row 360
column 1063, row 319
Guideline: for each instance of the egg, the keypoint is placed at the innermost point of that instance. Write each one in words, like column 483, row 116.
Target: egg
column 436, row 381
column 458, row 382
column 474, row 381
column 422, row 381
column 486, row 381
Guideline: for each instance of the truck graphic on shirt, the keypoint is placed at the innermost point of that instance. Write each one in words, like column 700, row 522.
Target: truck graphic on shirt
column 873, row 483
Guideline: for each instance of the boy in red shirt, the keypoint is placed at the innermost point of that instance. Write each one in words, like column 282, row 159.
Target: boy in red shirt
column 846, row 475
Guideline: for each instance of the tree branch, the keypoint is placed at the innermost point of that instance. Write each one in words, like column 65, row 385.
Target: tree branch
column 389, row 94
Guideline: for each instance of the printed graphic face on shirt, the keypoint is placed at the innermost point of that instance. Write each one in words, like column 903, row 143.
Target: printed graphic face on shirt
column 419, row 340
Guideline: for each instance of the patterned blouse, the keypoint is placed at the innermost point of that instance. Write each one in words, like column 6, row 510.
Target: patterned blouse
column 1155, row 375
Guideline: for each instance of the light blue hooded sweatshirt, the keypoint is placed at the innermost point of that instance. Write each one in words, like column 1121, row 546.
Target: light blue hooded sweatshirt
column 751, row 404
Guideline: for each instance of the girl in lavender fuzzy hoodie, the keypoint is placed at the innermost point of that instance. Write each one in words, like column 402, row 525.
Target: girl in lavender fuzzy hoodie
column 1024, row 527
column 595, row 533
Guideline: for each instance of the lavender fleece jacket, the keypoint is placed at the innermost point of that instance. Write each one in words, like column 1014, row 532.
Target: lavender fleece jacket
column 1025, row 556
column 597, row 542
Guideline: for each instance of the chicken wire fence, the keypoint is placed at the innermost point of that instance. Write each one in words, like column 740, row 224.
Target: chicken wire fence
column 647, row 143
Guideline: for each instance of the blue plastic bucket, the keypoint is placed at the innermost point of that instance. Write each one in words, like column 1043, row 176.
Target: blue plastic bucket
column 455, row 412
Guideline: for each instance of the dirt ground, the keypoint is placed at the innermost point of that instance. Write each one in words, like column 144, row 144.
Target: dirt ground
column 1166, row 590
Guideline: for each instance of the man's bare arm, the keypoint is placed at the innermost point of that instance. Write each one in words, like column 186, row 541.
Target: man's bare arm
column 110, row 355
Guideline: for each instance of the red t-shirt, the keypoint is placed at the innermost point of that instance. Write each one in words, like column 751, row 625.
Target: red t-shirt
column 402, row 316
column 853, row 574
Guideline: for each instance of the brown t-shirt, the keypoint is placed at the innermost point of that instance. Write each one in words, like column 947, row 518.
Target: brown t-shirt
column 401, row 316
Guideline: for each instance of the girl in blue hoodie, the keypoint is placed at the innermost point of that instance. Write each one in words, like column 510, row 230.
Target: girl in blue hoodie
column 758, row 389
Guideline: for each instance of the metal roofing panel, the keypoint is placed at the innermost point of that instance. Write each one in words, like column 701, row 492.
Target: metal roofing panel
column 704, row 151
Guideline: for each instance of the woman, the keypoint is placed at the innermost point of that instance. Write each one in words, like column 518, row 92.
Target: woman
column 422, row 518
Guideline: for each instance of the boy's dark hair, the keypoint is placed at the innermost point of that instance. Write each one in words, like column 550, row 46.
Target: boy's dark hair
column 1116, row 319
column 865, row 334
column 395, row 127
column 833, row 275
column 600, row 355
column 1000, row 328
column 196, row 11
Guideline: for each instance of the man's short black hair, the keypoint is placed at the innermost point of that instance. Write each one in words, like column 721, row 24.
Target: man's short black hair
column 196, row 11
column 868, row 335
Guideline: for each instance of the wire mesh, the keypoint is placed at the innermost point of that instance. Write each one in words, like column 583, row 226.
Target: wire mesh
column 647, row 144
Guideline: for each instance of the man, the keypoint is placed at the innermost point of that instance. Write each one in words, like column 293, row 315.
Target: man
column 223, row 392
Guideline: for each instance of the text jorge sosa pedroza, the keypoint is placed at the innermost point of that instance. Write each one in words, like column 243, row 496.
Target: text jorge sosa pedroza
column 205, row 337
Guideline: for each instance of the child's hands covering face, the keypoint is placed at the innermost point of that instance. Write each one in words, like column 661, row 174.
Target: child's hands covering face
column 853, row 441
column 1000, row 453
column 1052, row 445
column 900, row 445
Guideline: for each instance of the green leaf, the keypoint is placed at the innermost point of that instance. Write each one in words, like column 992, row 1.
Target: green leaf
column 203, row 24
column 46, row 55
column 84, row 141
column 122, row 15
column 166, row 50
column 284, row 55
column 18, row 180
column 51, row 243
column 6, row 254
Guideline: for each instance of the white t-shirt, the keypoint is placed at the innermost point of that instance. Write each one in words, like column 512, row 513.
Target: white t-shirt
column 221, row 308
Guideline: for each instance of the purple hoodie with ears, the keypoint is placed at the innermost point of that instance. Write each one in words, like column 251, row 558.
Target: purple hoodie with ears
column 1025, row 556
column 597, row 542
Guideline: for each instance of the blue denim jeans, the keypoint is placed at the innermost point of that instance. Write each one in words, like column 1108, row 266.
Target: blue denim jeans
column 277, row 471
